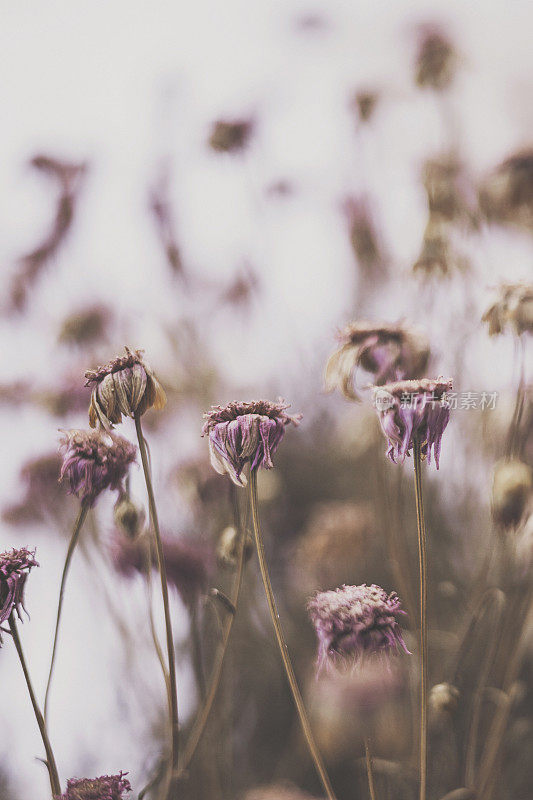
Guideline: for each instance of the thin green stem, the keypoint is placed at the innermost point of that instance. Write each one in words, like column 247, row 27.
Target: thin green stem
column 172, row 695
column 422, row 558
column 78, row 525
column 280, row 636
column 369, row 769
column 50, row 760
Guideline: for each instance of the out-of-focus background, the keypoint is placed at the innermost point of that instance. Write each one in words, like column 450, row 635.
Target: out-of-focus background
column 225, row 185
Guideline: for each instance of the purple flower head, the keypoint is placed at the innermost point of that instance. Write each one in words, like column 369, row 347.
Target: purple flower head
column 107, row 787
column 389, row 352
column 94, row 461
column 14, row 568
column 409, row 409
column 354, row 622
column 245, row 432
column 126, row 386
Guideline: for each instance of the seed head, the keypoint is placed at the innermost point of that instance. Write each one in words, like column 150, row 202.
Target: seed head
column 389, row 352
column 106, row 787
column 94, row 461
column 126, row 386
column 355, row 621
column 15, row 566
column 409, row 409
column 241, row 433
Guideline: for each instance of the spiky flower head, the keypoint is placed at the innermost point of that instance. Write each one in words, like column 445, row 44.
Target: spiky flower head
column 126, row 385
column 389, row 352
column 413, row 409
column 512, row 307
column 354, row 622
column 242, row 433
column 94, row 461
column 106, row 787
column 14, row 568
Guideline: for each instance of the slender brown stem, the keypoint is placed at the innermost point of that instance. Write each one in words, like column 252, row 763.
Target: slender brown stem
column 280, row 636
column 50, row 760
column 514, row 428
column 173, row 695
column 370, row 769
column 422, row 556
column 78, row 525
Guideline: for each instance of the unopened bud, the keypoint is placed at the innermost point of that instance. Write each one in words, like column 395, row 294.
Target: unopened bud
column 129, row 517
column 443, row 698
column 511, row 488
column 228, row 547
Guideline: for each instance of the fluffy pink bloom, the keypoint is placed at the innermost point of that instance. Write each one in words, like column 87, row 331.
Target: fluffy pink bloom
column 14, row 568
column 107, row 787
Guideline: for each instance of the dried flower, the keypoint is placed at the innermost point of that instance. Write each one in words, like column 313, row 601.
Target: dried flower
column 14, row 568
column 129, row 516
column 436, row 59
column 231, row 136
column 449, row 195
column 507, row 193
column 241, row 433
column 228, row 547
column 443, row 698
column 409, row 409
column 511, row 488
column 355, row 621
column 94, row 461
column 389, row 352
column 106, row 787
column 126, row 386
column 513, row 306
column 85, row 326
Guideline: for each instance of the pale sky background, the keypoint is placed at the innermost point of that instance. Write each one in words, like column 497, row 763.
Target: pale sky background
column 128, row 84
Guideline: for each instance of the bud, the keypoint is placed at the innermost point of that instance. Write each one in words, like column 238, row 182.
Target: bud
column 228, row 547
column 129, row 516
column 511, row 488
column 443, row 698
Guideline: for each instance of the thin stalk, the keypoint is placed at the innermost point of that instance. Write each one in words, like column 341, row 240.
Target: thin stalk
column 280, row 636
column 80, row 519
column 50, row 760
column 201, row 720
column 172, row 695
column 422, row 557
column 514, row 428
column 370, row 769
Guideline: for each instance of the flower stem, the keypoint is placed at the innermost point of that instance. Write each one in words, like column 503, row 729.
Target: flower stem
column 280, row 636
column 50, row 760
column 80, row 519
column 369, row 769
column 422, row 556
column 173, row 695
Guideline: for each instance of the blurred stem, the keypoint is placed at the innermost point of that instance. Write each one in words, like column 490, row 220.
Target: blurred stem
column 369, row 769
column 80, row 519
column 311, row 743
column 197, row 656
column 172, row 695
column 514, row 428
column 153, row 632
column 216, row 674
column 422, row 556
column 50, row 760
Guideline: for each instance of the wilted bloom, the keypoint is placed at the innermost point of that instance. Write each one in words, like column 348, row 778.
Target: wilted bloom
column 126, row 386
column 449, row 195
column 106, row 787
column 513, row 307
column 413, row 409
column 14, row 568
column 390, row 352
column 242, row 433
column 128, row 516
column 436, row 59
column 511, row 489
column 94, row 461
column 507, row 193
column 228, row 547
column 85, row 326
column 355, row 621
column 230, row 136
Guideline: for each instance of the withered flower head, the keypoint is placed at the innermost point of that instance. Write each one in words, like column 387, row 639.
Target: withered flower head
column 439, row 255
column 106, row 787
column 126, row 386
column 230, row 136
column 128, row 516
column 513, row 307
column 242, row 433
column 511, row 488
column 85, row 326
column 94, row 461
column 413, row 409
column 389, row 352
column 436, row 59
column 364, row 103
column 449, row 195
column 506, row 195
column 355, row 621
column 14, row 568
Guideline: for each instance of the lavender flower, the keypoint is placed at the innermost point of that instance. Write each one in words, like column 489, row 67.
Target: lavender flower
column 513, row 307
column 390, row 352
column 245, row 432
column 107, row 787
column 353, row 622
column 409, row 409
column 126, row 386
column 14, row 568
column 94, row 461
